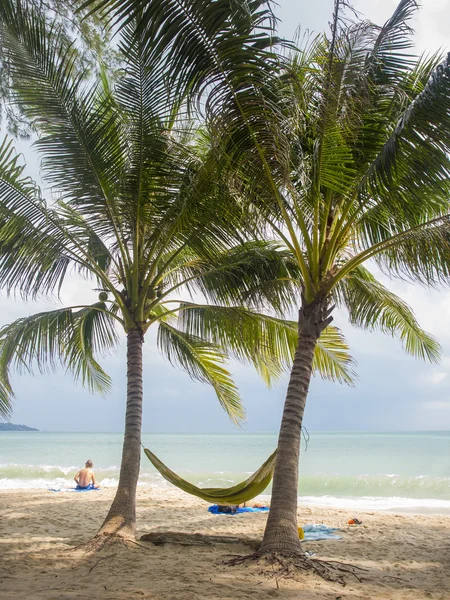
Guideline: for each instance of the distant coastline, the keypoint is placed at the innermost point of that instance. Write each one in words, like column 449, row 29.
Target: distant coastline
column 13, row 427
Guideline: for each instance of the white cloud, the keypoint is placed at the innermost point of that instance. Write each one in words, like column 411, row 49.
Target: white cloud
column 434, row 378
column 438, row 405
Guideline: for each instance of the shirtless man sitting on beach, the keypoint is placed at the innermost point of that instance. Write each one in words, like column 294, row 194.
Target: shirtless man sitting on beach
column 85, row 478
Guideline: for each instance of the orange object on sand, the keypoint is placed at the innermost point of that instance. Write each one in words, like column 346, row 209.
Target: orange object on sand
column 354, row 521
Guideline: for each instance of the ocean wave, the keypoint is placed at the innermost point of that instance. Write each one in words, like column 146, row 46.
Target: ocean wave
column 58, row 482
column 352, row 503
column 51, row 476
column 48, row 472
column 390, row 486
column 378, row 503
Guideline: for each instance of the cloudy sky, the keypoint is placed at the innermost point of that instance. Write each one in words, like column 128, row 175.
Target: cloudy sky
column 394, row 392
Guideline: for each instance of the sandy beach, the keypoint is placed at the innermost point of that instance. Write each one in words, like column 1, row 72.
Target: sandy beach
column 406, row 555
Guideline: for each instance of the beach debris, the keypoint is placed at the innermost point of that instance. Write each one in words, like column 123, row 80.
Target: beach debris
column 354, row 521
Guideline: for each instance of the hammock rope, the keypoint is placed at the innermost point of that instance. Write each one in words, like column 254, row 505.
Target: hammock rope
column 241, row 492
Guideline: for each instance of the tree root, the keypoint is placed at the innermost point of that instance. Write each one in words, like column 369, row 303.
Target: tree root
column 100, row 542
column 99, row 560
column 330, row 570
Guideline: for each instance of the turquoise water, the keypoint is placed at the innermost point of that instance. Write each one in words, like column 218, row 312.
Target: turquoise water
column 373, row 470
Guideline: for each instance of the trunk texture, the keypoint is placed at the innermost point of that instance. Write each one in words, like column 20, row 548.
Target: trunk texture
column 121, row 519
column 281, row 534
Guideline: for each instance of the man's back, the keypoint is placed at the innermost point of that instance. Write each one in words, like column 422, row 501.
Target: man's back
column 84, row 477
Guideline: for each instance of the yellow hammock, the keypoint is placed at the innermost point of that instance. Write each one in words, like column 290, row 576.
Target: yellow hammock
column 242, row 492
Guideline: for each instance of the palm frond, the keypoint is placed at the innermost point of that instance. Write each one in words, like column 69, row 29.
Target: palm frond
column 255, row 273
column 373, row 307
column 12, row 169
column 65, row 337
column 264, row 341
column 142, row 99
column 189, row 207
column 420, row 254
column 214, row 57
column 336, row 170
column 78, row 126
column 197, row 45
column 332, row 358
column 34, row 255
column 387, row 60
column 412, row 165
column 202, row 361
column 39, row 243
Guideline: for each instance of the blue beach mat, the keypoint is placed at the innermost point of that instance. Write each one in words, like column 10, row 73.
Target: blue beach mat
column 76, row 489
column 214, row 509
column 314, row 533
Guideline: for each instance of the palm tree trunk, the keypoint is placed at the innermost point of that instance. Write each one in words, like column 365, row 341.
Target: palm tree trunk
column 121, row 518
column 281, row 534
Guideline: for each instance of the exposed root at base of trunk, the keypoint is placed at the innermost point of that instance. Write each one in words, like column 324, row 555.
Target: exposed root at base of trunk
column 290, row 563
column 102, row 541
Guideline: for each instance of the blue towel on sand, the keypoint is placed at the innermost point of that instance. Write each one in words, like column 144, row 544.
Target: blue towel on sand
column 312, row 532
column 214, row 509
column 320, row 532
column 76, row 489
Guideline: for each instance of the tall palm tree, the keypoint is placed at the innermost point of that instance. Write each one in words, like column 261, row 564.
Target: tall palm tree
column 350, row 166
column 358, row 177
column 142, row 210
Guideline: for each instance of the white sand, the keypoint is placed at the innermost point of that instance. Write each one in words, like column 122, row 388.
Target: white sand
column 407, row 556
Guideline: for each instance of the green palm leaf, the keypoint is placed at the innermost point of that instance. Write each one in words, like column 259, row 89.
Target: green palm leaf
column 264, row 341
column 33, row 255
column 421, row 253
column 201, row 361
column 332, row 358
column 373, row 307
column 78, row 126
column 387, row 59
column 199, row 44
column 412, row 164
column 65, row 337
column 258, row 273
column 38, row 243
column 12, row 171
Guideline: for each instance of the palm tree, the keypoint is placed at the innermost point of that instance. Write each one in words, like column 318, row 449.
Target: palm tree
column 358, row 177
column 349, row 168
column 143, row 211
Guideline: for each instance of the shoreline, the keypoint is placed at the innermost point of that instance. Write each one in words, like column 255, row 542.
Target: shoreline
column 396, row 505
column 406, row 557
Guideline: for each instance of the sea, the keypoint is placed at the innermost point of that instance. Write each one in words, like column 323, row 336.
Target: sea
column 377, row 471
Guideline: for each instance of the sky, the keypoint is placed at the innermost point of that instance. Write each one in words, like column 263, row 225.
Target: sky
column 394, row 392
